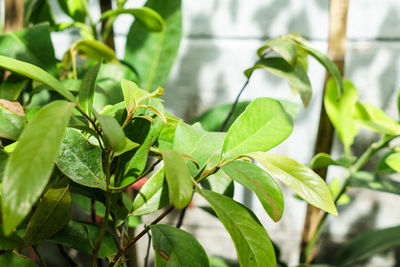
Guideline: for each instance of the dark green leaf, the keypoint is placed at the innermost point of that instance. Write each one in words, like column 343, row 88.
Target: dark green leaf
column 150, row 19
column 298, row 177
column 52, row 214
column 153, row 54
column 296, row 75
column 36, row 73
column 175, row 247
column 152, row 196
column 14, row 259
column 261, row 183
column 80, row 160
column 374, row 182
column 86, row 90
column 253, row 246
column 178, row 178
column 38, row 11
column 284, row 47
column 11, row 123
column 33, row 157
column 11, row 88
column 74, row 235
column 323, row 160
column 367, row 244
column 76, row 9
column 263, row 125
column 339, row 110
column 10, row 242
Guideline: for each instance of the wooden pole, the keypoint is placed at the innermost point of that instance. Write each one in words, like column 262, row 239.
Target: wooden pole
column 336, row 51
column 14, row 15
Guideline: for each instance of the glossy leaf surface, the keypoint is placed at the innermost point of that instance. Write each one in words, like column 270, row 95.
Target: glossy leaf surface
column 296, row 75
column 261, row 183
column 306, row 183
column 175, row 247
column 80, row 160
column 178, row 178
column 253, row 246
column 284, row 47
column 153, row 53
column 152, row 196
column 87, row 88
column 263, row 125
column 52, row 214
column 33, row 157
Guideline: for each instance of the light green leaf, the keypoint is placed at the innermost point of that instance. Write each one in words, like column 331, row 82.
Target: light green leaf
column 74, row 235
column 375, row 119
column 52, row 214
column 167, row 134
column 335, row 186
column 76, row 9
column 152, row 196
column 81, row 161
column 153, row 54
column 284, row 47
column 219, row 183
column 114, row 136
column 150, row 19
column 323, row 160
column 296, row 75
column 178, row 178
column 306, row 183
column 339, row 110
column 13, row 259
column 37, row 74
column 367, row 244
column 393, row 160
column 95, row 50
column 11, row 124
column 263, row 125
column 198, row 144
column 261, row 183
column 175, row 247
column 33, row 157
column 253, row 246
column 128, row 89
column 87, row 88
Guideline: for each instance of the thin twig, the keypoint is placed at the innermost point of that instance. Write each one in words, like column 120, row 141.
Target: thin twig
column 146, row 259
column 65, row 254
column 181, row 217
column 39, row 256
column 137, row 237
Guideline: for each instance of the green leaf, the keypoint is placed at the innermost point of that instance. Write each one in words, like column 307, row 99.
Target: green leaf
column 37, row 74
column 296, row 75
column 374, row 119
column 263, row 125
column 167, row 134
column 325, row 61
column 153, row 54
column 152, row 196
column 33, row 157
column 114, row 136
column 393, row 160
column 306, row 183
column 339, row 110
column 87, row 87
column 261, row 183
column 38, row 11
column 10, row 242
column 178, row 178
column 375, row 182
column 81, row 161
column 367, row 244
column 11, row 124
column 284, row 47
column 74, row 235
column 198, row 144
column 150, row 19
column 13, row 259
column 128, row 89
column 253, row 246
column 95, row 50
column 335, row 186
column 219, row 183
column 3, row 163
column 175, row 247
column 52, row 214
column 12, row 87
column 25, row 45
column 323, row 160
column 74, row 8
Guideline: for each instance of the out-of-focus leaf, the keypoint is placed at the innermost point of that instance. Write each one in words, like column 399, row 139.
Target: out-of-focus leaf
column 284, row 47
column 3, row 162
column 76, row 9
column 10, row 242
column 11, row 88
column 253, row 246
column 175, row 247
column 95, row 50
column 11, row 121
column 393, row 160
column 52, row 213
column 296, row 75
column 298, row 177
column 33, row 157
column 323, row 160
column 374, row 182
column 13, row 259
column 153, row 53
column 335, row 186
column 38, row 11
column 263, row 125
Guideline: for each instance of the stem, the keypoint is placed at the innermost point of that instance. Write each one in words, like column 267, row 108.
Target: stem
column 106, row 214
column 42, row 262
column 181, row 217
column 65, row 254
column 137, row 237
column 146, row 259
